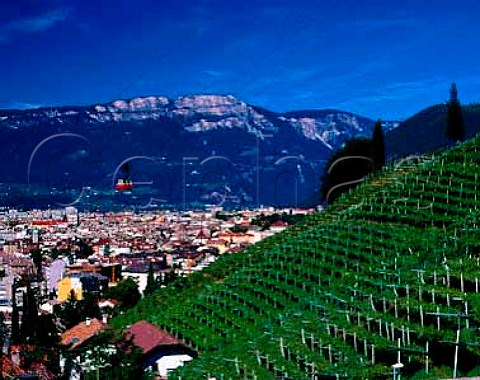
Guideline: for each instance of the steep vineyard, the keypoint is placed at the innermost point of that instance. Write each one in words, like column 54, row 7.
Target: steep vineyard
column 388, row 274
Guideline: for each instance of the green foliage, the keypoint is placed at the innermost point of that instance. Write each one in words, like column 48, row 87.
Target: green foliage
column 474, row 372
column 378, row 266
column 112, row 356
column 425, row 131
column 151, row 282
column 106, row 250
column 84, row 250
column 168, row 278
column 74, row 311
column 224, row 215
column 239, row 229
column 70, row 311
column 346, row 168
column 29, row 327
column 37, row 258
column 126, row 292
column 89, row 306
column 265, row 221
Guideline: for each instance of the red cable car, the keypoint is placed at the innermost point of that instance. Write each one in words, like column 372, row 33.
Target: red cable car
column 124, row 183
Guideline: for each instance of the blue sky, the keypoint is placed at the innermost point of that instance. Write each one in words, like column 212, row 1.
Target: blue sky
column 381, row 59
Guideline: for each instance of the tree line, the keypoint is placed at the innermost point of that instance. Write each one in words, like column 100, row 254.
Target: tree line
column 361, row 156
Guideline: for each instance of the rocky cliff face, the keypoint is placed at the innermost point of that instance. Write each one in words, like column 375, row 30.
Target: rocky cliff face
column 166, row 130
column 200, row 113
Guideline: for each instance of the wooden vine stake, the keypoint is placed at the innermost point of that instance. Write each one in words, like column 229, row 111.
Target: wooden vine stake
column 467, row 321
column 455, row 359
column 421, row 315
column 438, row 318
column 398, row 351
column 426, row 357
column 237, row 366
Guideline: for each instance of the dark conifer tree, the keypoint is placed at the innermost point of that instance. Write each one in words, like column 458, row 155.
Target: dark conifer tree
column 126, row 292
column 346, row 168
column 89, row 307
column 37, row 258
column 3, row 333
column 24, row 324
column 15, row 335
column 47, row 335
column 70, row 311
column 151, row 283
column 378, row 146
column 455, row 128
column 28, row 329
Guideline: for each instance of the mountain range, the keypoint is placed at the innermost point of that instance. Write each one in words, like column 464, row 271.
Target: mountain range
column 189, row 151
column 192, row 150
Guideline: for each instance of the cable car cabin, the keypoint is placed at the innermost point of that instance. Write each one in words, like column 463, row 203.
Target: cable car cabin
column 124, row 185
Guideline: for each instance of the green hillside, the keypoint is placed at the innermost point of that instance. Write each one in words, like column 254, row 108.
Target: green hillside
column 425, row 131
column 393, row 268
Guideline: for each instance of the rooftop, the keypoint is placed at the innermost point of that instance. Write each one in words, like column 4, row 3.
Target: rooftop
column 148, row 337
column 80, row 333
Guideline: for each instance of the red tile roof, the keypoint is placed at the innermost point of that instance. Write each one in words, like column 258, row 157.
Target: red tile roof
column 148, row 337
column 80, row 333
column 279, row 223
column 9, row 368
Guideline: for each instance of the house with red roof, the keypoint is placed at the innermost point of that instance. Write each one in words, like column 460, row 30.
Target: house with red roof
column 161, row 351
column 279, row 226
column 81, row 333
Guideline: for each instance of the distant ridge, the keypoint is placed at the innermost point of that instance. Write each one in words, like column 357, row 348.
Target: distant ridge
column 168, row 130
column 425, row 131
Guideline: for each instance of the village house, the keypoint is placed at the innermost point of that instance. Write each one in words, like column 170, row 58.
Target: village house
column 161, row 351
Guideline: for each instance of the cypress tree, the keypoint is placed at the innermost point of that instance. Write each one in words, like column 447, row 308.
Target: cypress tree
column 37, row 258
column 151, row 284
column 15, row 335
column 89, row 307
column 70, row 311
column 378, row 146
column 29, row 324
column 24, row 333
column 455, row 128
